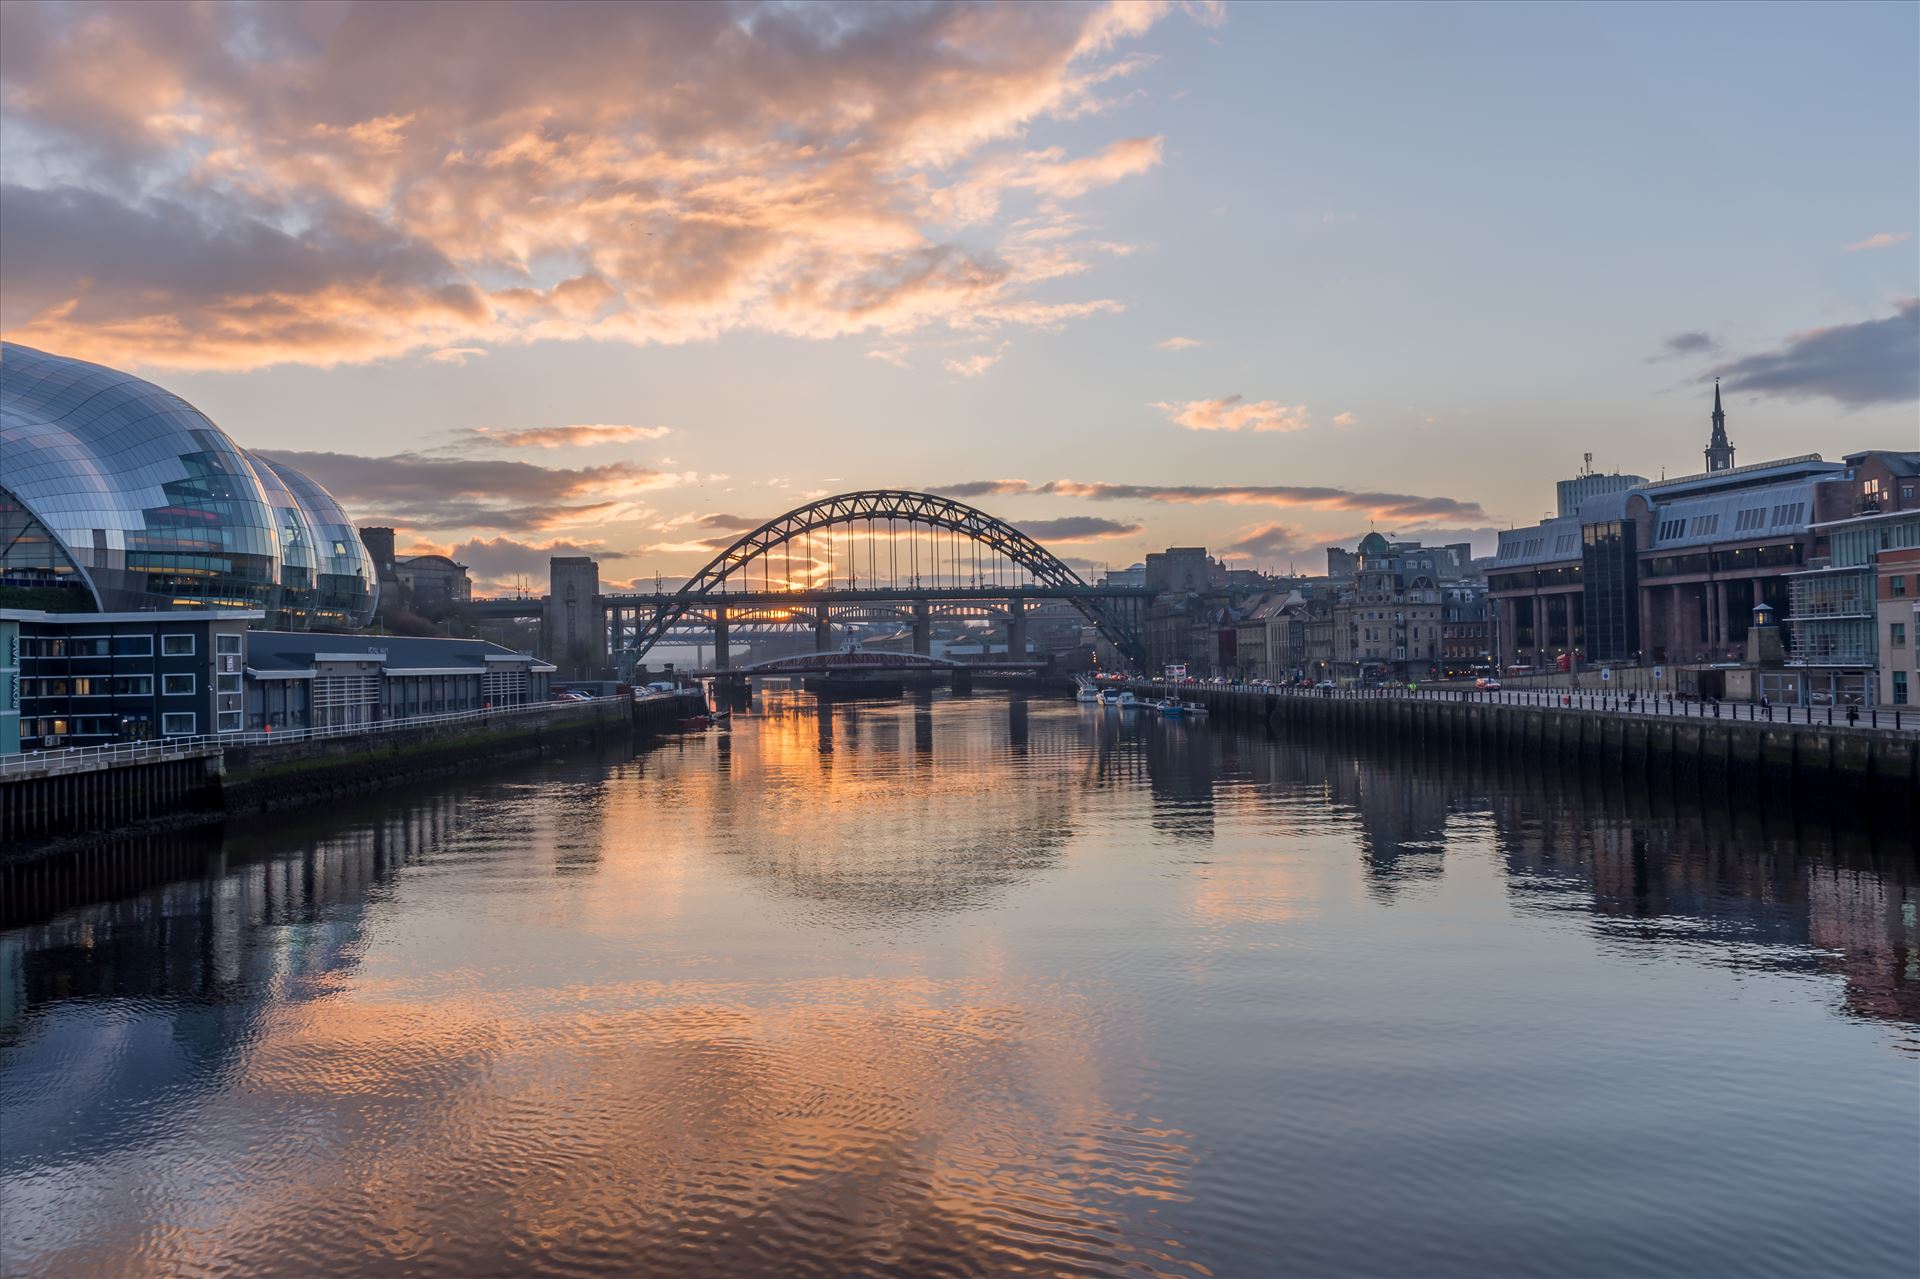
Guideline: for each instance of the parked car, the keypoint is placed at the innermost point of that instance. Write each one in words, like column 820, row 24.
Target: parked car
column 1325, row 686
column 1487, row 684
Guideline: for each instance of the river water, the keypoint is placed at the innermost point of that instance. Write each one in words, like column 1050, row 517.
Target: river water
column 978, row 986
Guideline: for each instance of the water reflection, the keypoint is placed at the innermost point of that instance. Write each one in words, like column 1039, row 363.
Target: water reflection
column 983, row 986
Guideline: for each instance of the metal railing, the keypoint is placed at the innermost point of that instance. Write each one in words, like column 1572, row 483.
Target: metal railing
column 1901, row 719
column 72, row 758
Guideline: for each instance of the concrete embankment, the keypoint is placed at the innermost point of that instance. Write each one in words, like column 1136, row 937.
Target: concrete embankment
column 1870, row 772
column 82, row 807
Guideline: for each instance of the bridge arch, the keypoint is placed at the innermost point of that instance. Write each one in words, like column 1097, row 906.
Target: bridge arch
column 893, row 506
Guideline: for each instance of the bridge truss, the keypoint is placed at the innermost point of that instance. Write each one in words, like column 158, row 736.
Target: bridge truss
column 949, row 551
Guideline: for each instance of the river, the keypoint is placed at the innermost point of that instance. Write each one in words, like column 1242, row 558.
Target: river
column 979, row 985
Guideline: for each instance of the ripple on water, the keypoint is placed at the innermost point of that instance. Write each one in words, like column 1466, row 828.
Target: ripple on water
column 975, row 988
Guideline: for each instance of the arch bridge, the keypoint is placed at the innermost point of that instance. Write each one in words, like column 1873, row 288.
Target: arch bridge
column 874, row 548
column 856, row 661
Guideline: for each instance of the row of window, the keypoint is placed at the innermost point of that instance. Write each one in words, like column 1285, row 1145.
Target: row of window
column 119, row 645
column 109, row 686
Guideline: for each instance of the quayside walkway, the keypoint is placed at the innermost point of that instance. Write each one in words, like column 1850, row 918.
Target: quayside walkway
column 1897, row 719
column 56, row 794
column 1871, row 766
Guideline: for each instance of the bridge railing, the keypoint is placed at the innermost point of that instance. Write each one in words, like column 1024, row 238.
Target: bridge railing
column 1895, row 718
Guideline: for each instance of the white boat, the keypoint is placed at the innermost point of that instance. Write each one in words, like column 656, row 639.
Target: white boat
column 1085, row 691
column 1126, row 700
column 1171, row 707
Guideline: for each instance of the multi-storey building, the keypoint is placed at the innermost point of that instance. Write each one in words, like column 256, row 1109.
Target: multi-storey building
column 1466, row 637
column 1836, row 631
column 1899, row 626
column 1391, row 624
column 88, row 679
column 1663, row 572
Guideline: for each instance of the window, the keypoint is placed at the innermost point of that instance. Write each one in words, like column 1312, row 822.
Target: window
column 229, row 721
column 1897, row 634
column 178, row 724
column 131, row 685
column 89, row 646
column 228, row 683
column 176, row 686
column 133, row 646
column 1899, row 688
column 1705, row 525
column 226, row 643
column 339, row 548
column 176, row 646
column 1900, row 585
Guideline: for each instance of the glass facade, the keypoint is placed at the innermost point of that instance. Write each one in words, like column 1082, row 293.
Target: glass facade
column 1609, row 564
column 111, row 485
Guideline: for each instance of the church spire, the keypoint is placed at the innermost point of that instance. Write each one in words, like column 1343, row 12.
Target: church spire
column 1719, row 448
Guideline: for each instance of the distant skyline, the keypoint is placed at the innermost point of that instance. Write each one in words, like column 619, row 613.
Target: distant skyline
column 545, row 279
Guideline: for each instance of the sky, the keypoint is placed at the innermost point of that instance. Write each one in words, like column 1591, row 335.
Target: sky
column 545, row 279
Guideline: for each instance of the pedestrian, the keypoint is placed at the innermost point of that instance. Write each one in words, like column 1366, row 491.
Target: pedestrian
column 1853, row 715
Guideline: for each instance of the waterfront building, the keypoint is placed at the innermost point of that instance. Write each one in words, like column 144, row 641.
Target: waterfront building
column 9, row 682
column 118, row 496
column 1898, row 630
column 1391, row 620
column 298, row 679
column 1836, row 629
column 1466, row 638
column 90, row 679
column 1665, row 572
column 1888, row 480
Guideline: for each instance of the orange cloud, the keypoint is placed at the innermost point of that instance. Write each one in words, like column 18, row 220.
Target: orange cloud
column 560, row 437
column 1233, row 413
column 390, row 189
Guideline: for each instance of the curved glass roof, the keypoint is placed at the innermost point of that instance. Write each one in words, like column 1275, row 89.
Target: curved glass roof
column 137, row 494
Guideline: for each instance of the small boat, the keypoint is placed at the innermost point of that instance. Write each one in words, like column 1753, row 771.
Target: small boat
column 1126, row 701
column 1171, row 707
column 1085, row 691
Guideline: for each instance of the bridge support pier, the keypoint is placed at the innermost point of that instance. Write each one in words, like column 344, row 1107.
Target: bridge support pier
column 823, row 631
column 721, row 659
column 922, row 628
column 1016, row 630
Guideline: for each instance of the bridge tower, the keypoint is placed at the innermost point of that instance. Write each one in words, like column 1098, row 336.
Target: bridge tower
column 823, row 630
column 721, row 658
column 571, row 625
column 1016, row 630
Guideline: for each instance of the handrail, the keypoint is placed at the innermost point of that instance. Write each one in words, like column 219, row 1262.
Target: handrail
column 1867, row 718
column 209, row 743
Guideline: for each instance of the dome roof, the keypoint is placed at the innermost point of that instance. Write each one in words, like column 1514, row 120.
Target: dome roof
column 118, row 487
column 1374, row 544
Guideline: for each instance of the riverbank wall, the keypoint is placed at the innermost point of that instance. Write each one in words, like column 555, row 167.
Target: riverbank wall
column 79, row 802
column 1871, row 772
